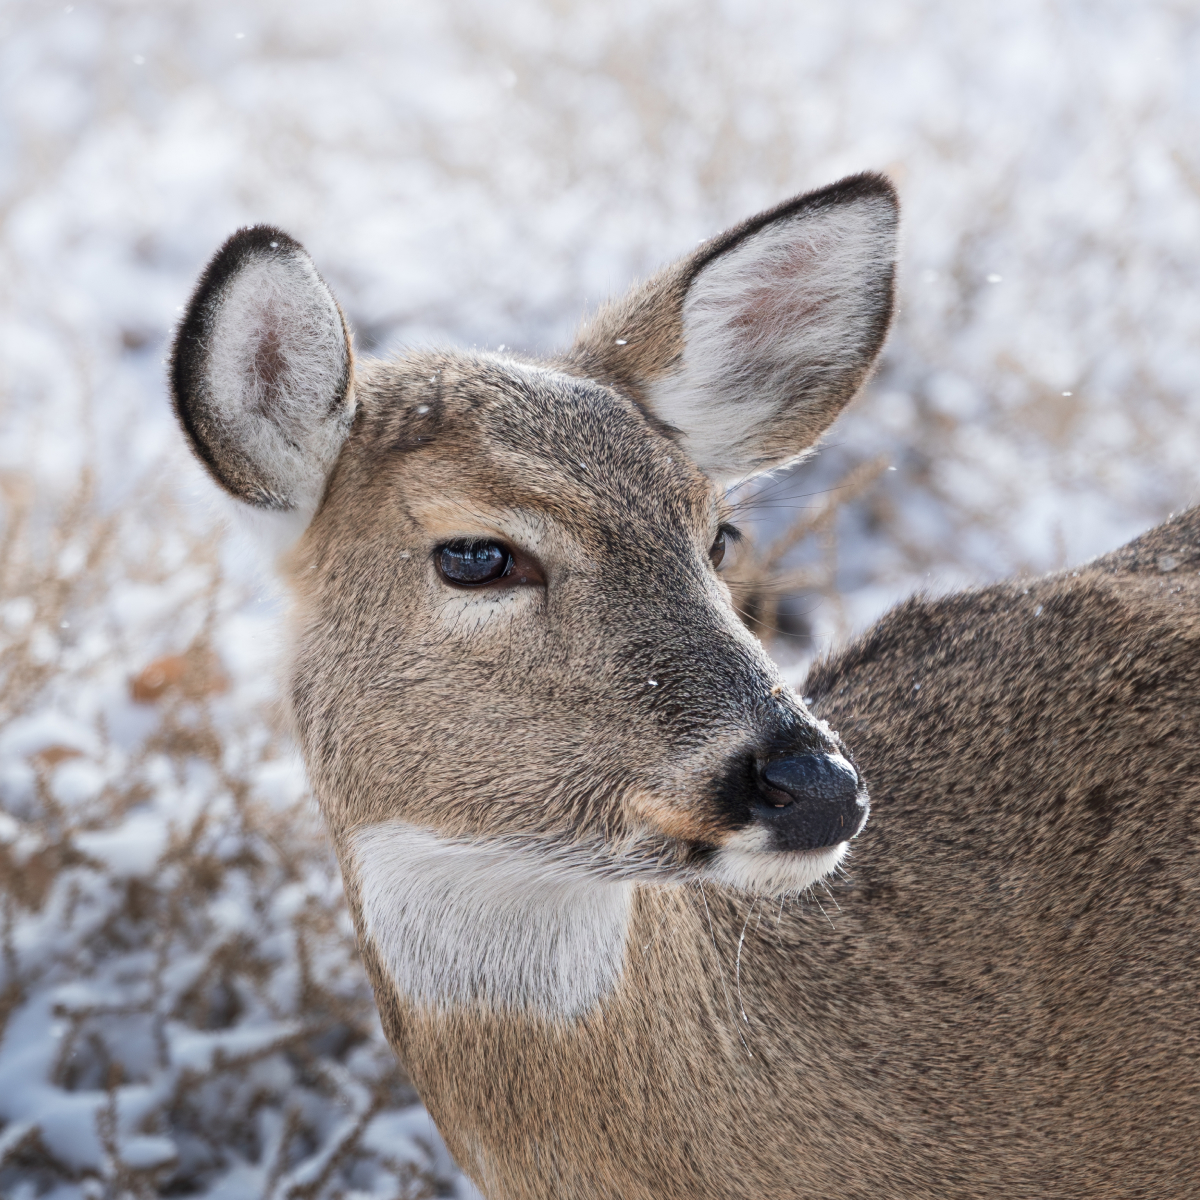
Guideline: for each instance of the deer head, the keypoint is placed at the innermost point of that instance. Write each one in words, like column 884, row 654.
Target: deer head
column 510, row 632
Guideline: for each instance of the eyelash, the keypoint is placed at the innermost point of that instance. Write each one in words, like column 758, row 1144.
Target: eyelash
column 725, row 534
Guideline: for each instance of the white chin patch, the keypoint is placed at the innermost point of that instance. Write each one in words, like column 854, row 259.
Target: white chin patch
column 744, row 864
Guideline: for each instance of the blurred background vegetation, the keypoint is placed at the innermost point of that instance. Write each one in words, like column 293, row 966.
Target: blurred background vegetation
column 481, row 174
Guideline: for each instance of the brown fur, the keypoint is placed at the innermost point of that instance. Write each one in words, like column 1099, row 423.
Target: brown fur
column 999, row 999
column 395, row 698
column 995, row 998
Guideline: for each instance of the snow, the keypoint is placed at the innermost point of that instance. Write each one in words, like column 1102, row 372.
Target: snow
column 185, row 986
column 24, row 737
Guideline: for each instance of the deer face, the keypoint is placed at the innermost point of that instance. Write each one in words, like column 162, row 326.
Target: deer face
column 510, row 626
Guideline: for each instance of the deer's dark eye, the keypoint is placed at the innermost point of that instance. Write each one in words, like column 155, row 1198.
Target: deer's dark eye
column 471, row 564
column 725, row 535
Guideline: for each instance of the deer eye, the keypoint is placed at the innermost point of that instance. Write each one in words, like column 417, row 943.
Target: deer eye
column 725, row 535
column 471, row 564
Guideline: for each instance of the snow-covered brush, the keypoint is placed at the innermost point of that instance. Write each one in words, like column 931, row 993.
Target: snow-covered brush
column 182, row 1008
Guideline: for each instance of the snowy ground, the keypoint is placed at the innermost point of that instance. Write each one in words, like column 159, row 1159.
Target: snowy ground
column 181, row 1009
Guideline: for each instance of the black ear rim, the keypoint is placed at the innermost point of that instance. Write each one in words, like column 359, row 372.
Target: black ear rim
column 189, row 349
column 866, row 185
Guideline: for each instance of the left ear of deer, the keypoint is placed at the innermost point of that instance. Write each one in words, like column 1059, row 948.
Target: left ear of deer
column 752, row 345
column 262, row 373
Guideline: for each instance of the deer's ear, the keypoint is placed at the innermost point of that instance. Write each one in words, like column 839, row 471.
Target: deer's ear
column 751, row 346
column 262, row 372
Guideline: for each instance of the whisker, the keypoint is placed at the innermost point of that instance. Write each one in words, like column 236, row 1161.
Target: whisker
column 724, row 987
column 738, row 972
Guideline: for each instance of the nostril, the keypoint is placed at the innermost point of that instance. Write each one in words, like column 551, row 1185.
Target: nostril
column 812, row 777
column 810, row 801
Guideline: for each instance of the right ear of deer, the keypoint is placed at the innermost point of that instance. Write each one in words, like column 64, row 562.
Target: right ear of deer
column 751, row 346
column 262, row 372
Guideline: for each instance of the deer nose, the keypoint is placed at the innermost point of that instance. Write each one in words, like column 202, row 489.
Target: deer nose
column 810, row 801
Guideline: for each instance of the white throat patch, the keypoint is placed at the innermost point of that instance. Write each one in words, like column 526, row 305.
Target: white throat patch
column 488, row 922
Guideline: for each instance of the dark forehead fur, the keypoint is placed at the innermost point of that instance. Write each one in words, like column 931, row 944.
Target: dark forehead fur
column 525, row 434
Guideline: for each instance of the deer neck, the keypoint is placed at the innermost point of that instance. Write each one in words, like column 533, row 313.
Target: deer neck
column 489, row 923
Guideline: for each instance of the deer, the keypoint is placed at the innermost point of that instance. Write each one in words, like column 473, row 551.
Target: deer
column 642, row 921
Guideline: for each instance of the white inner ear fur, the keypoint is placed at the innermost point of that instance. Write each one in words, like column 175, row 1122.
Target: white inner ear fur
column 276, row 370
column 771, row 325
column 488, row 922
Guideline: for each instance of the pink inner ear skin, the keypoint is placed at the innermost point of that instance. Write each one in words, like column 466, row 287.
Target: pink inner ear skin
column 268, row 368
column 785, row 297
column 770, row 310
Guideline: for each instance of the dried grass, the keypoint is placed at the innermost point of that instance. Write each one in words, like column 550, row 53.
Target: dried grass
column 772, row 592
column 181, row 1000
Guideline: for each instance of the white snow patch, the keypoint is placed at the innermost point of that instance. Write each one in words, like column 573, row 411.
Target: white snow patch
column 131, row 848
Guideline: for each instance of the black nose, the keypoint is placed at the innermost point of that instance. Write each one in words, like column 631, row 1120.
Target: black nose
column 810, row 801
